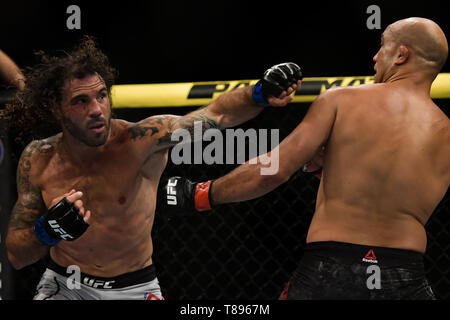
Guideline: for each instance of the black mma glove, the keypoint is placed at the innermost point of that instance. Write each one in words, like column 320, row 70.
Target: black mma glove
column 181, row 197
column 62, row 222
column 276, row 80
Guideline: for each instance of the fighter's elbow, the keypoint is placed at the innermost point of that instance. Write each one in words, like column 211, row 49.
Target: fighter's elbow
column 14, row 261
column 284, row 175
column 275, row 179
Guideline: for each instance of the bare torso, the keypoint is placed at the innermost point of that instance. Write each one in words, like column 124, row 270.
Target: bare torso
column 386, row 169
column 119, row 187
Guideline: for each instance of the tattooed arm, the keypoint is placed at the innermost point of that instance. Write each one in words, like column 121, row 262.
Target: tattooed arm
column 230, row 109
column 22, row 245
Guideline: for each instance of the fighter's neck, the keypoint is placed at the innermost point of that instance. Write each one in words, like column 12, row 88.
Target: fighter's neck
column 80, row 153
column 418, row 81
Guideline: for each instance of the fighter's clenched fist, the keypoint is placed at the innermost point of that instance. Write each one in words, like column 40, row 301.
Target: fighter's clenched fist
column 277, row 84
column 65, row 220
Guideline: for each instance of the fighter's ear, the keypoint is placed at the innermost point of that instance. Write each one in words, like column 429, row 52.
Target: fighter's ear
column 402, row 55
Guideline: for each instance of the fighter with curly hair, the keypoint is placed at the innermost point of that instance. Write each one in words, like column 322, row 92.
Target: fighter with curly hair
column 87, row 182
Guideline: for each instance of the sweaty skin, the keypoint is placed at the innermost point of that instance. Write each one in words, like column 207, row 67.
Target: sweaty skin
column 387, row 149
column 116, row 165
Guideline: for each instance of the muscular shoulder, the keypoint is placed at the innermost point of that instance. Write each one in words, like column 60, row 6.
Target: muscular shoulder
column 38, row 151
column 354, row 96
column 34, row 159
column 333, row 97
column 151, row 130
column 339, row 94
column 352, row 91
column 125, row 132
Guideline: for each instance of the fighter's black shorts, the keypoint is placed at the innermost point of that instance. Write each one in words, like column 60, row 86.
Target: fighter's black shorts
column 336, row 270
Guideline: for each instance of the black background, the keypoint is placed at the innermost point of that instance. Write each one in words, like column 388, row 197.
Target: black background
column 177, row 41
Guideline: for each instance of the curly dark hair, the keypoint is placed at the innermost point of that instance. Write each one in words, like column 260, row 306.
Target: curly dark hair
column 31, row 114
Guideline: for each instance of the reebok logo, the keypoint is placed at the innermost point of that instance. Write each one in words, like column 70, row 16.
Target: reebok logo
column 370, row 257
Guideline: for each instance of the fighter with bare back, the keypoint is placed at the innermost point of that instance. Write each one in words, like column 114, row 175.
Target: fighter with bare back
column 87, row 195
column 385, row 169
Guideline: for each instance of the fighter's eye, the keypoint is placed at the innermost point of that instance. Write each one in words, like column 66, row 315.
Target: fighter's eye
column 79, row 101
column 102, row 96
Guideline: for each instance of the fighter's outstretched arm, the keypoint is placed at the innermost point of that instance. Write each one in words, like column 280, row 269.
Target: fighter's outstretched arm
column 228, row 110
column 241, row 105
column 247, row 181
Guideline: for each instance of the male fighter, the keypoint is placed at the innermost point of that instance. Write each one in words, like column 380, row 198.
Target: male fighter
column 385, row 169
column 87, row 195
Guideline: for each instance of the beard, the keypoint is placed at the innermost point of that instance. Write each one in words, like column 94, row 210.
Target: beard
column 86, row 136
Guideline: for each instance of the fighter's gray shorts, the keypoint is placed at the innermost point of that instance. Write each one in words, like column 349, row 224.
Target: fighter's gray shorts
column 59, row 283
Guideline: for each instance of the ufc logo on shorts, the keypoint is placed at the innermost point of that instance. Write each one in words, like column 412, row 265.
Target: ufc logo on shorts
column 171, row 192
column 55, row 226
column 97, row 283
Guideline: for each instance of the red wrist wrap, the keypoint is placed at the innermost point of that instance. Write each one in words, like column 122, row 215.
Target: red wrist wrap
column 202, row 196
